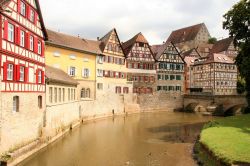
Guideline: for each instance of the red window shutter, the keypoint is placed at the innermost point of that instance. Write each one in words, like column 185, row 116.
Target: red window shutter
column 5, row 71
column 108, row 73
column 19, row 6
column 18, row 72
column 126, row 64
column 36, row 17
column 43, row 77
column 35, row 45
column 6, row 24
column 28, row 11
column 17, row 35
column 42, row 49
column 27, row 42
column 133, row 65
column 120, row 75
column 138, row 65
column 26, row 74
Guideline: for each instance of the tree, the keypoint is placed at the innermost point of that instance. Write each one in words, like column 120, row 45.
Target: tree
column 237, row 21
column 212, row 40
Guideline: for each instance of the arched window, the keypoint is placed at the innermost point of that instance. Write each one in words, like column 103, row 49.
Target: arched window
column 83, row 93
column 16, row 104
column 87, row 93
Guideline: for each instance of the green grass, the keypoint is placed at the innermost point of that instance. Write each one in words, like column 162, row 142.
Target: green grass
column 228, row 139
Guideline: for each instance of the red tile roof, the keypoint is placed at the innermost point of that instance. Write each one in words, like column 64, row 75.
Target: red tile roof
column 222, row 45
column 127, row 46
column 72, row 42
column 215, row 58
column 185, row 34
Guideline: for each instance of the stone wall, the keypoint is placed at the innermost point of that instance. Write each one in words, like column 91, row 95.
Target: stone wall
column 20, row 128
column 161, row 101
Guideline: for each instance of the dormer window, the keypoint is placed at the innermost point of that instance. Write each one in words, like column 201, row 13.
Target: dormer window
column 23, row 8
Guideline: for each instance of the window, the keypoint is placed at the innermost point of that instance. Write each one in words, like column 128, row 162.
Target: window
column 100, row 59
column 31, row 43
column 118, row 90
column 10, row 72
column 178, row 77
column 22, row 38
column 172, row 77
column 100, row 86
column 39, row 47
column 32, row 16
column 40, row 102
column 60, row 94
column 68, row 94
column 39, row 77
column 55, row 95
column 87, row 93
column 86, row 73
column 11, row 32
column 83, row 93
column 125, row 90
column 22, row 70
column 23, row 8
column 16, row 104
column 50, row 95
column 72, row 71
column 71, row 94
column 63, row 94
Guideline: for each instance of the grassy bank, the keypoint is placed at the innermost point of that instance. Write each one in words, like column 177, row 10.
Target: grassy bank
column 228, row 139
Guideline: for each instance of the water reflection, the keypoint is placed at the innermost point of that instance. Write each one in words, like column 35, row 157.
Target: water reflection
column 150, row 139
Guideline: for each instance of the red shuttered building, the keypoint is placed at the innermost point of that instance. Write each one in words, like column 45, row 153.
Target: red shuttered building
column 22, row 68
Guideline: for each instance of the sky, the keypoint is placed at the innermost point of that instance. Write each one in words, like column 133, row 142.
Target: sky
column 156, row 19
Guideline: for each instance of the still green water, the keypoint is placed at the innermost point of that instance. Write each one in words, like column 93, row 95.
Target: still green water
column 147, row 139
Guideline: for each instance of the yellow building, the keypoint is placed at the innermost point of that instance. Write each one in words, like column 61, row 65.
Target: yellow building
column 77, row 57
column 111, row 68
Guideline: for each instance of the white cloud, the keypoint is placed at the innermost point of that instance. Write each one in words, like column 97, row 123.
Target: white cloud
column 154, row 18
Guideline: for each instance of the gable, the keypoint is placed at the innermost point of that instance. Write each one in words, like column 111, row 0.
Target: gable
column 141, row 52
column 113, row 45
column 170, row 54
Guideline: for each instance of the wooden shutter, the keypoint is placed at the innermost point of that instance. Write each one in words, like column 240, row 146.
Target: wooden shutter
column 42, row 48
column 18, row 73
column 27, row 40
column 19, row 6
column 35, row 45
column 36, row 17
column 26, row 74
column 28, row 11
column 5, row 65
column 6, row 24
column 43, row 77
column 17, row 35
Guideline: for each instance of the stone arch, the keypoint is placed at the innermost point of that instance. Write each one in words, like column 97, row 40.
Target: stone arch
column 234, row 110
column 191, row 107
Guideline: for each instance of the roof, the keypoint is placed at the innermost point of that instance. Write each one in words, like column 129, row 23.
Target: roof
column 189, row 53
column 5, row 2
column 216, row 58
column 155, row 48
column 71, row 42
column 105, row 39
column 189, row 60
column 58, row 76
column 185, row 34
column 222, row 45
column 127, row 46
column 159, row 49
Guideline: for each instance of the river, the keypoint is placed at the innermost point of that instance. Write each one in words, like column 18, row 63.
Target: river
column 147, row 139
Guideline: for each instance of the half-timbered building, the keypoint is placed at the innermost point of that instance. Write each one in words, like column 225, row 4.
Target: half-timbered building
column 189, row 58
column 225, row 46
column 170, row 68
column 215, row 74
column 111, row 69
column 22, row 71
column 140, row 64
